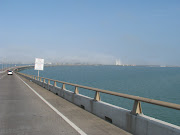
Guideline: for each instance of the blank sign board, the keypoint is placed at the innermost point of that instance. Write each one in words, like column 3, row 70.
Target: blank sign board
column 39, row 64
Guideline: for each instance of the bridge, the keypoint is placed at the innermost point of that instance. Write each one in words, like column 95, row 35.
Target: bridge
column 32, row 105
column 26, row 108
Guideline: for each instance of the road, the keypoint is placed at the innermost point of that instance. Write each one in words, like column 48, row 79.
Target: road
column 23, row 112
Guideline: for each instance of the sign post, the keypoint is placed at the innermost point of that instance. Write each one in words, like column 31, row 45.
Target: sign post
column 39, row 64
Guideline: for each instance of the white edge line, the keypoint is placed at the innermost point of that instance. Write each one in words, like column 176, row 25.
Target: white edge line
column 53, row 108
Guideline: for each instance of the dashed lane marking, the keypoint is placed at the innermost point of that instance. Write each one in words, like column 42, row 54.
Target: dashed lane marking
column 2, row 76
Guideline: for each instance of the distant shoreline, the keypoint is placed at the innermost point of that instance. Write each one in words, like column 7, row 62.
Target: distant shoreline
column 110, row 65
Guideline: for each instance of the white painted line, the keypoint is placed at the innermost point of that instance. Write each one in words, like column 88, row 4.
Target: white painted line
column 2, row 72
column 59, row 113
column 3, row 76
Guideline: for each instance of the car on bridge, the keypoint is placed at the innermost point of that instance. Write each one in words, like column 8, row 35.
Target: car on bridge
column 10, row 72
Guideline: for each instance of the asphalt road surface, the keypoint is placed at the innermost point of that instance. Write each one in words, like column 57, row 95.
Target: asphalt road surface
column 22, row 112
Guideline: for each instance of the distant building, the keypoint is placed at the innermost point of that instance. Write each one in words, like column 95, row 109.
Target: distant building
column 118, row 62
column 48, row 63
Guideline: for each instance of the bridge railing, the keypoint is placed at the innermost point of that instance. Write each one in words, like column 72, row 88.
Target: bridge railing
column 137, row 100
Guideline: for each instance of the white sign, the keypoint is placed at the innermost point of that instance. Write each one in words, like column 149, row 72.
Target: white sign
column 39, row 64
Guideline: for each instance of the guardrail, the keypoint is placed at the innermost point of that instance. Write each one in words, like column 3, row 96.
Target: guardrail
column 137, row 100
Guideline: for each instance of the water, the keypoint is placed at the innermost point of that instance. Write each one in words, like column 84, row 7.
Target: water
column 160, row 83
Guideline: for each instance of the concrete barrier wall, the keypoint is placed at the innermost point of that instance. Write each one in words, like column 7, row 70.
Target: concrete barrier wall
column 135, row 124
column 3, row 72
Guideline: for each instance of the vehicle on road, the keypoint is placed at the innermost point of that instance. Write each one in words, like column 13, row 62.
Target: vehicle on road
column 10, row 72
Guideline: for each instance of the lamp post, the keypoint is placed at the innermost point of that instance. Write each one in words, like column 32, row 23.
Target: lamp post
column 2, row 64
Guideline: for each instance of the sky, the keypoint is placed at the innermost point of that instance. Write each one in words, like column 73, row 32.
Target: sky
column 91, row 31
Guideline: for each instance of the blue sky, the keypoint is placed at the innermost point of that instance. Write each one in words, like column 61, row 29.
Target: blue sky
column 94, row 31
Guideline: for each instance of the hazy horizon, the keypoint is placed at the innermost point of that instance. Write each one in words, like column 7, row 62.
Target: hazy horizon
column 94, row 32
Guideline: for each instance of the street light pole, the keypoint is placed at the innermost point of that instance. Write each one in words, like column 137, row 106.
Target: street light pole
column 2, row 64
